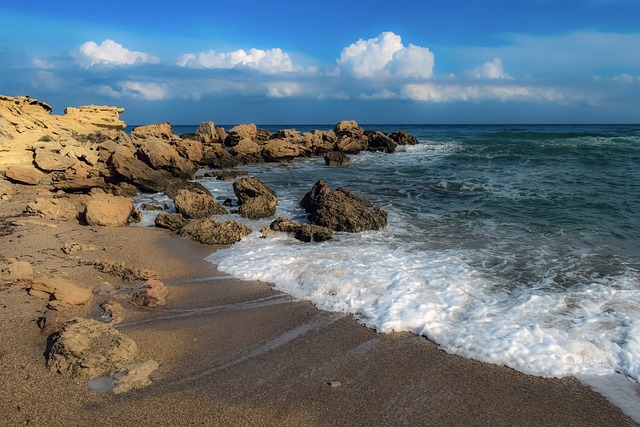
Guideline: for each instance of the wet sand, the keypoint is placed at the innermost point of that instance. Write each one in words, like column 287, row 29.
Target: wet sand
column 239, row 353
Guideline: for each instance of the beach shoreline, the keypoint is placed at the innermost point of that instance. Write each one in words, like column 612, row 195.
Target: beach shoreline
column 241, row 353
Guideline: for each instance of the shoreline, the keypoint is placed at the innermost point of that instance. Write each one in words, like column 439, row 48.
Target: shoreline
column 233, row 352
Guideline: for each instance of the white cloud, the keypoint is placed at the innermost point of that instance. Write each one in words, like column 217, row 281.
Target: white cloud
column 110, row 52
column 270, row 61
column 429, row 92
column 283, row 90
column 386, row 57
column 625, row 78
column 137, row 90
column 42, row 63
column 489, row 70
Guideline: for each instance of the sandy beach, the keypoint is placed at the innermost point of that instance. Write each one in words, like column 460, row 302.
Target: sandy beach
column 240, row 353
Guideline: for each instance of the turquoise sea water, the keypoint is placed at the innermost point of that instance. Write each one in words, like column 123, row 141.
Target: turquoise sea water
column 515, row 245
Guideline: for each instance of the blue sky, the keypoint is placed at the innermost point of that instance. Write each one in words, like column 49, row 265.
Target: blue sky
column 285, row 62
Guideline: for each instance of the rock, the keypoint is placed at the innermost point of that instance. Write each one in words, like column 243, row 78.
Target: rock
column 245, row 147
column 302, row 232
column 152, row 294
column 112, row 312
column 160, row 155
column 229, row 175
column 279, row 150
column 351, row 138
column 208, row 134
column 209, row 232
column 86, row 348
column 321, row 142
column 195, row 203
column 71, row 184
column 190, row 150
column 161, row 131
column 120, row 269
column 6, row 190
column 107, row 210
column 153, row 206
column 180, row 184
column 73, row 247
column 402, row 137
column 50, row 161
column 55, row 209
column 379, row 141
column 341, row 210
column 172, row 221
column 255, row 199
column 59, row 289
column 12, row 270
column 240, row 132
column 336, row 158
column 25, row 175
column 218, row 157
column 139, row 173
column 134, row 376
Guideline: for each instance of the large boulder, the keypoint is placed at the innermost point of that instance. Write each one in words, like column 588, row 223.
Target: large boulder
column 245, row 147
column 139, row 173
column 207, row 134
column 285, row 146
column 321, row 142
column 25, row 175
column 162, row 131
column 190, row 150
column 379, row 141
column 336, row 158
column 341, row 210
column 12, row 270
column 59, row 289
column 302, row 232
column 161, row 155
column 351, row 138
column 240, row 132
column 255, row 198
column 107, row 210
column 195, row 203
column 210, row 232
column 51, row 161
column 6, row 190
column 171, row 221
column 402, row 137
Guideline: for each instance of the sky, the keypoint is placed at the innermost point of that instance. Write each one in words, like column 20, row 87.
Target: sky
column 297, row 62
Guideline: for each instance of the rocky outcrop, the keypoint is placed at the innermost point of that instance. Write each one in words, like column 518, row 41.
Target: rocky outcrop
column 379, row 141
column 50, row 161
column 336, row 158
column 351, row 138
column 107, row 210
column 209, row 232
column 256, row 199
column 139, row 173
column 25, row 175
column 208, row 134
column 55, row 209
column 160, row 131
column 195, row 203
column 152, row 294
column 245, row 147
column 341, row 210
column 240, row 132
column 160, row 155
column 402, row 137
column 6, row 190
column 12, row 270
column 87, row 348
column 302, row 232
column 171, row 221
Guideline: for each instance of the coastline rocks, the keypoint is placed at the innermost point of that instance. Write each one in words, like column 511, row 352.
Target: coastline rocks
column 161, row 131
column 50, row 161
column 341, row 210
column 279, row 150
column 107, row 210
column 25, row 175
column 6, row 190
column 209, row 232
column 134, row 376
column 240, row 132
column 194, row 203
column 139, row 173
column 379, row 141
column 351, row 137
column 58, row 289
column 255, row 199
column 171, row 221
column 55, row 209
column 207, row 134
column 302, row 232
column 12, row 270
column 160, row 155
column 245, row 147
column 152, row 294
column 402, row 137
column 336, row 158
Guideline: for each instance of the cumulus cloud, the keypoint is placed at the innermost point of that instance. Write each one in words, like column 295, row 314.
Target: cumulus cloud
column 490, row 70
column 270, row 61
column 625, row 78
column 110, row 52
column 137, row 90
column 385, row 56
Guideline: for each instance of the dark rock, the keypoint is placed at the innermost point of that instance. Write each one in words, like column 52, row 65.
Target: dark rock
column 209, row 232
column 403, row 138
column 139, row 173
column 336, row 158
column 171, row 221
column 225, row 175
column 255, row 199
column 341, row 210
column 379, row 141
column 195, row 203
column 351, row 137
column 175, row 185
column 302, row 232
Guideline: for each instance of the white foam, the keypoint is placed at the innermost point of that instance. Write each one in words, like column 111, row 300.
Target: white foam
column 590, row 329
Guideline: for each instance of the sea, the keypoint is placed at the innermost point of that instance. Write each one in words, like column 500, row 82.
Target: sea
column 517, row 245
